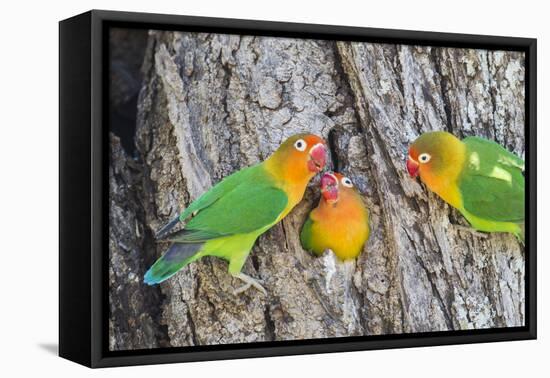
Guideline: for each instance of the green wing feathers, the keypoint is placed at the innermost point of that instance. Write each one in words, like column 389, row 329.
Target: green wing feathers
column 218, row 191
column 504, row 157
column 305, row 235
column 244, row 202
column 249, row 207
column 492, row 183
column 206, row 199
column 192, row 236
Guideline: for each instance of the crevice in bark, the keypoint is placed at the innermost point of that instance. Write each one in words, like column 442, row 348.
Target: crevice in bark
column 270, row 331
column 192, row 326
column 126, row 52
column 130, row 302
column 333, row 149
column 444, row 85
column 437, row 294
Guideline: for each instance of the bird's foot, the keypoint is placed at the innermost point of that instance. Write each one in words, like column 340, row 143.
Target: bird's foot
column 470, row 231
column 249, row 281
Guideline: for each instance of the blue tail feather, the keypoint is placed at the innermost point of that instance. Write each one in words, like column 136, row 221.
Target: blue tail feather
column 175, row 258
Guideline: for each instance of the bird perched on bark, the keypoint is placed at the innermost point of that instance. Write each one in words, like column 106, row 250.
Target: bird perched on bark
column 477, row 176
column 340, row 222
column 226, row 220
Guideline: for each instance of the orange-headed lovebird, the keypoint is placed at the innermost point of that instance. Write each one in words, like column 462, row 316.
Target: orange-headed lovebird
column 478, row 177
column 226, row 220
column 340, row 222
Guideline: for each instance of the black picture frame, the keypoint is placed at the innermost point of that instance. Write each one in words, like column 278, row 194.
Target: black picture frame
column 83, row 250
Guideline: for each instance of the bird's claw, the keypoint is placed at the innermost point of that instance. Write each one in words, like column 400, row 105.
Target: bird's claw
column 249, row 281
column 471, row 231
column 241, row 289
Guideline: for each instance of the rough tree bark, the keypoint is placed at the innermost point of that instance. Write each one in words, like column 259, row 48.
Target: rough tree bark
column 212, row 104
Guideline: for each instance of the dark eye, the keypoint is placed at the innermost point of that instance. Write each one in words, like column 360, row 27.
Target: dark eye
column 424, row 158
column 300, row 145
column 347, row 182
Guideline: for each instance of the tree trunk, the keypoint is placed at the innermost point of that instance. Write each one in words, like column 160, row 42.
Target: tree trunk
column 212, row 104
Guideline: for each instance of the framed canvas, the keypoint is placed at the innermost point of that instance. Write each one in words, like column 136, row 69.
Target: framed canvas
column 234, row 188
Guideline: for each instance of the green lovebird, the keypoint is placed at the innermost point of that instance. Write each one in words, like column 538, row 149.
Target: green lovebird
column 478, row 177
column 226, row 220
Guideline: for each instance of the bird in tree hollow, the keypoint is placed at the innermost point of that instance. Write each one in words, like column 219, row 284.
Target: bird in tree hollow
column 477, row 176
column 226, row 220
column 340, row 222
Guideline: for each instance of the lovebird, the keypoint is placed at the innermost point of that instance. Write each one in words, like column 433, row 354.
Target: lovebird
column 340, row 222
column 226, row 220
column 478, row 177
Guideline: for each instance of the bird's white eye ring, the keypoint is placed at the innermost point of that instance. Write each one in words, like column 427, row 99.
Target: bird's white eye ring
column 424, row 158
column 347, row 182
column 300, row 145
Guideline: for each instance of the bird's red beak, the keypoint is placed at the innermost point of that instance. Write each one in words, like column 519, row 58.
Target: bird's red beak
column 317, row 158
column 329, row 187
column 412, row 167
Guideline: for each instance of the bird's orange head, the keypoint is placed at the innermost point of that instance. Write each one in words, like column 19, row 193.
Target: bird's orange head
column 335, row 185
column 300, row 157
column 434, row 155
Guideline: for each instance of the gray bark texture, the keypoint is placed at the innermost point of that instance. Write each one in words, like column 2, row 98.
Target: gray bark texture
column 211, row 104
